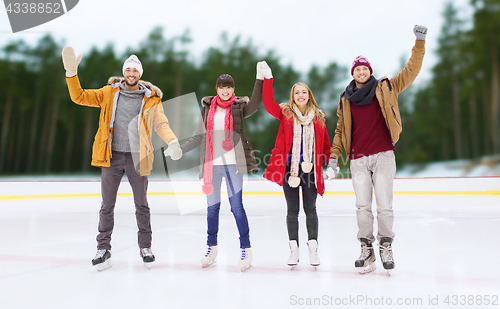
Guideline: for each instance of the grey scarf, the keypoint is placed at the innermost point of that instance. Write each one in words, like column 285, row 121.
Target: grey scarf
column 363, row 95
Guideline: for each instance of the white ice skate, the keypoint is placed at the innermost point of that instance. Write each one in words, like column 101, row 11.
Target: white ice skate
column 147, row 257
column 313, row 253
column 209, row 257
column 294, row 254
column 385, row 250
column 102, row 260
column 245, row 259
column 366, row 261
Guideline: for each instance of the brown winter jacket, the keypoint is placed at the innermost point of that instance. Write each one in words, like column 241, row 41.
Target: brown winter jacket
column 387, row 95
column 151, row 116
column 241, row 108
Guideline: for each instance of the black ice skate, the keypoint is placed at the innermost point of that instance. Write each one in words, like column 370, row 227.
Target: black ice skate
column 386, row 254
column 147, row 257
column 102, row 260
column 366, row 261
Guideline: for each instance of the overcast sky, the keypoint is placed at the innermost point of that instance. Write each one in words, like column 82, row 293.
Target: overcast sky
column 302, row 32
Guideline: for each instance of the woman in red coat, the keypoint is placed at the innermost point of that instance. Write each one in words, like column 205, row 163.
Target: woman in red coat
column 302, row 145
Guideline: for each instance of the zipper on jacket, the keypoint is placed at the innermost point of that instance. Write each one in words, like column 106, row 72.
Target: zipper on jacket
column 343, row 130
column 385, row 118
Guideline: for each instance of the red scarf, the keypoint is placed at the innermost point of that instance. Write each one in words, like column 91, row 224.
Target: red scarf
column 227, row 144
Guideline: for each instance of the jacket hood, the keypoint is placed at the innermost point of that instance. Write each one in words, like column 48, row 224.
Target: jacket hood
column 207, row 100
column 117, row 79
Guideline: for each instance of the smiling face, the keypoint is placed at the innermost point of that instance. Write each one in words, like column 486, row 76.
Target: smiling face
column 225, row 92
column 361, row 75
column 132, row 77
column 301, row 97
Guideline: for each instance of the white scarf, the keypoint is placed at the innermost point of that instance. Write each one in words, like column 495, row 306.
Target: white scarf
column 307, row 139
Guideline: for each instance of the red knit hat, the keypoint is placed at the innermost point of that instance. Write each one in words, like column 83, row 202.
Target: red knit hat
column 360, row 60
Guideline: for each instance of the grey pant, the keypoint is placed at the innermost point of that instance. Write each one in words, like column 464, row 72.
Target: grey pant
column 122, row 162
column 374, row 173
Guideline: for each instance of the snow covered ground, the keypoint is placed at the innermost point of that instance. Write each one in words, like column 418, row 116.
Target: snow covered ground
column 445, row 249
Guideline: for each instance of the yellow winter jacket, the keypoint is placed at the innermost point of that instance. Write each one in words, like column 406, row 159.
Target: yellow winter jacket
column 151, row 116
column 387, row 93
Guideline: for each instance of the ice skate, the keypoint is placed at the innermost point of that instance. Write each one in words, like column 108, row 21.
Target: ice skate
column 102, row 260
column 366, row 261
column 147, row 257
column 209, row 257
column 313, row 252
column 385, row 250
column 294, row 254
column 246, row 259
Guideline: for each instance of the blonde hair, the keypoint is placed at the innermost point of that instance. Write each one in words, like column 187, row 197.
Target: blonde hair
column 287, row 108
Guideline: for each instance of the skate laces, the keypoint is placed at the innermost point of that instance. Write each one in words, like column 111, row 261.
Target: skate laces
column 100, row 254
column 243, row 254
column 209, row 252
column 146, row 252
column 386, row 253
column 365, row 252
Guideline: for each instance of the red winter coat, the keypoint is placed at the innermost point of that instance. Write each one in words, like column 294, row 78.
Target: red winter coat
column 275, row 170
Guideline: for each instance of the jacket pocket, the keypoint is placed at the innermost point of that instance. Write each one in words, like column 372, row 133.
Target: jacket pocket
column 396, row 114
column 101, row 151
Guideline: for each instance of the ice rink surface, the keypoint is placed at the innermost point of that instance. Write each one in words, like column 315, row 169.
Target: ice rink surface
column 446, row 250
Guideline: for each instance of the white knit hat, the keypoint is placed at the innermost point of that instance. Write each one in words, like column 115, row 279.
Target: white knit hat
column 132, row 62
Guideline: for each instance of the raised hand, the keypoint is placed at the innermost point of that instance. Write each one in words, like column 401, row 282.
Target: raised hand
column 70, row 61
column 420, row 32
column 263, row 70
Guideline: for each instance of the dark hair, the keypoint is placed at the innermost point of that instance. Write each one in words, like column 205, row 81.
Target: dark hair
column 225, row 80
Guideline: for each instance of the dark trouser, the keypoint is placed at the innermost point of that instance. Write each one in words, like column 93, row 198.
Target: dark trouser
column 122, row 162
column 309, row 195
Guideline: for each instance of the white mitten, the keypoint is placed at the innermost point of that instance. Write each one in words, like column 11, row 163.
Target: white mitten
column 70, row 61
column 263, row 70
column 174, row 150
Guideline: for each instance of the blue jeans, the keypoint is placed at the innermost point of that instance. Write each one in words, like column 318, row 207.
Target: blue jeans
column 234, row 182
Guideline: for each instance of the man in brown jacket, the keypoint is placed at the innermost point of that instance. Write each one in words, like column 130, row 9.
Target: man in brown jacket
column 368, row 128
column 130, row 109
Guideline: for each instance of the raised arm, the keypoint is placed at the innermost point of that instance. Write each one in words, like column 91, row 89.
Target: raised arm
column 406, row 77
column 78, row 95
column 253, row 105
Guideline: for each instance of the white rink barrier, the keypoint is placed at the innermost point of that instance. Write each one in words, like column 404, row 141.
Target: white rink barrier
column 67, row 188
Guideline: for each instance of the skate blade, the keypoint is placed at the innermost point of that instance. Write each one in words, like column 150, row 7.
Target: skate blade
column 207, row 265
column 389, row 271
column 315, row 267
column 104, row 265
column 293, row 264
column 245, row 268
column 148, row 265
column 292, row 267
column 367, row 269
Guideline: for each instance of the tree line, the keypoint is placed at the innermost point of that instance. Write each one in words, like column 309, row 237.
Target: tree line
column 455, row 115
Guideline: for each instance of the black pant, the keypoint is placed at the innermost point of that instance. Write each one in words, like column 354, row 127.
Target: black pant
column 309, row 195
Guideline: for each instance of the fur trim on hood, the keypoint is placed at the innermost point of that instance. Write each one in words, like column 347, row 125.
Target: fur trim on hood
column 150, row 86
column 208, row 100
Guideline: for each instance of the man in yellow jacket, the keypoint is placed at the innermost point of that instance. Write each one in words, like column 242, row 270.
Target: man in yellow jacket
column 130, row 109
column 368, row 128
